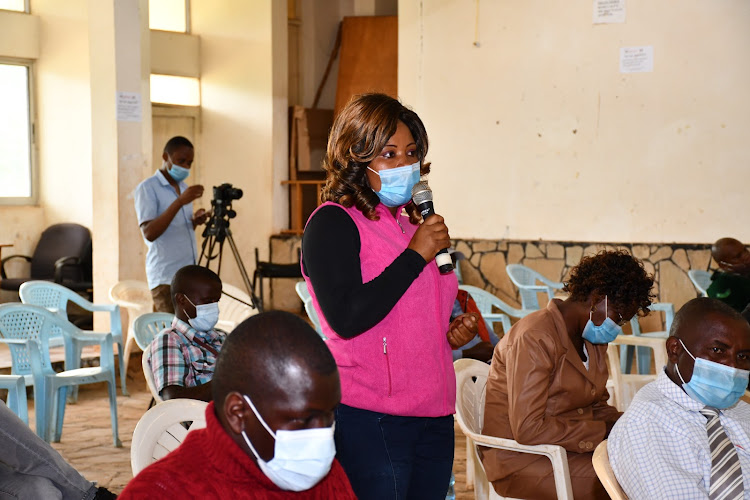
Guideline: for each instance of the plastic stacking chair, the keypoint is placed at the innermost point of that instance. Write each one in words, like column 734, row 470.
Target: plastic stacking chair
column 56, row 297
column 145, row 328
column 623, row 386
column 701, row 280
column 232, row 312
column 486, row 302
column 304, row 294
column 606, row 475
column 135, row 297
column 16, row 386
column 642, row 353
column 471, row 379
column 526, row 280
column 27, row 330
column 160, row 430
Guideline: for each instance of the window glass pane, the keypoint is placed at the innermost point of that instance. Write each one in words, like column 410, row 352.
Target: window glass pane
column 180, row 90
column 15, row 143
column 18, row 5
column 167, row 15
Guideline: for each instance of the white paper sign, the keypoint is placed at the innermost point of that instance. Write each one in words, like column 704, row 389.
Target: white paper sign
column 609, row 11
column 637, row 59
column 128, row 107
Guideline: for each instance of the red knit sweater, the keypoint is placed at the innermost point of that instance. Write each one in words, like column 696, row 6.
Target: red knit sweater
column 210, row 465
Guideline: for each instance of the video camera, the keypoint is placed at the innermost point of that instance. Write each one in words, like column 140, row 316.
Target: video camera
column 222, row 201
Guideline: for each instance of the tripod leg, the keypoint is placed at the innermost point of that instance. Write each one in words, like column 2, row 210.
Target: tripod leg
column 243, row 272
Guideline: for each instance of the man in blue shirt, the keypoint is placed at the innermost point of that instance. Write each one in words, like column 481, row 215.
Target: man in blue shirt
column 164, row 207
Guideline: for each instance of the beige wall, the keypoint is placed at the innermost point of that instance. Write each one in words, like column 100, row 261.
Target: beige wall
column 536, row 134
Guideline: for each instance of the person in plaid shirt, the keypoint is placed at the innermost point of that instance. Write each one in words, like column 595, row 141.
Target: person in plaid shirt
column 182, row 357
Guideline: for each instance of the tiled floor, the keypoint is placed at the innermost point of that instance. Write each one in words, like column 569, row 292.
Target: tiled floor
column 87, row 436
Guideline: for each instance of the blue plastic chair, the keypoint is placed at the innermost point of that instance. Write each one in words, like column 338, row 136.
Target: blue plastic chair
column 701, row 280
column 304, row 294
column 644, row 353
column 27, row 330
column 147, row 326
column 526, row 280
column 486, row 302
column 55, row 298
column 16, row 386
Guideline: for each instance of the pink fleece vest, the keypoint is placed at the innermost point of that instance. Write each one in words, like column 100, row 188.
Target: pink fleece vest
column 403, row 365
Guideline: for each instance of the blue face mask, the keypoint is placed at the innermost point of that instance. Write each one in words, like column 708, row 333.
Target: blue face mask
column 396, row 184
column 713, row 384
column 604, row 333
column 178, row 173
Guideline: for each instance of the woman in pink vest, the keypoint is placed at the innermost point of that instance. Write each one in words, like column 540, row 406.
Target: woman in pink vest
column 383, row 304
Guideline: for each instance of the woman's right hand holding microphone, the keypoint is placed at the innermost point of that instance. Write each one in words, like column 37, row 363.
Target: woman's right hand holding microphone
column 431, row 237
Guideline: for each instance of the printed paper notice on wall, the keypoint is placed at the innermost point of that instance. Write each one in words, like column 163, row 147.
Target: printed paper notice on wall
column 637, row 59
column 609, row 11
column 128, row 107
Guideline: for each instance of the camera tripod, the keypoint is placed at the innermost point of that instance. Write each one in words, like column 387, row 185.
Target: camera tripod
column 216, row 232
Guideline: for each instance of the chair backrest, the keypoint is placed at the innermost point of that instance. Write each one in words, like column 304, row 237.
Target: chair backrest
column 27, row 322
column 625, row 385
column 134, row 296
column 605, row 473
column 160, row 430
column 666, row 307
column 471, row 379
column 48, row 295
column 526, row 280
column 304, row 294
column 57, row 241
column 486, row 302
column 701, row 280
column 233, row 312
column 147, row 326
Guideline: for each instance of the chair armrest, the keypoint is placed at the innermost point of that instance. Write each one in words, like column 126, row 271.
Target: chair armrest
column 91, row 336
column 501, row 317
column 653, row 343
column 62, row 263
column 552, row 284
column 106, row 351
column 6, row 259
column 14, row 341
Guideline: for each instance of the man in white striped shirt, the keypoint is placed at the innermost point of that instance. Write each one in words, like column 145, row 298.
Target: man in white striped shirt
column 663, row 446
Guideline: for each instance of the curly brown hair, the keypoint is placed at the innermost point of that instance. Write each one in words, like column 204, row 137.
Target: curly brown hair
column 616, row 274
column 359, row 133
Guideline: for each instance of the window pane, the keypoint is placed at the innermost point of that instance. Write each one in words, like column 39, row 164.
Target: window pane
column 180, row 90
column 18, row 5
column 15, row 143
column 167, row 15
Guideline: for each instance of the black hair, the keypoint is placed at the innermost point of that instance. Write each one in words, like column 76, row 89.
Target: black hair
column 175, row 143
column 187, row 275
column 256, row 355
column 616, row 274
column 694, row 310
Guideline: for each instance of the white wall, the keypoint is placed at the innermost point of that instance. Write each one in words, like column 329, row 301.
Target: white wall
column 536, row 134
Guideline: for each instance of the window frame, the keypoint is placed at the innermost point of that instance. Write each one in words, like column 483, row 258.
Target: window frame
column 33, row 163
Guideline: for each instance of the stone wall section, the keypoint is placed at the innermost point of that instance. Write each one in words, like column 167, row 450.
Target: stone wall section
column 485, row 261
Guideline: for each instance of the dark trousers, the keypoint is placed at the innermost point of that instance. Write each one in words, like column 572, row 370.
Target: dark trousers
column 391, row 457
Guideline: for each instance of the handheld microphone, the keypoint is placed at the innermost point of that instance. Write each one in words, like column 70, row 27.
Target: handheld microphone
column 421, row 194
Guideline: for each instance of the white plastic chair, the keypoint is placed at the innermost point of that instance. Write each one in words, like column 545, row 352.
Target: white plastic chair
column 526, row 280
column 606, row 475
column 643, row 354
column 160, row 430
column 16, row 386
column 701, row 280
column 135, row 297
column 486, row 302
column 304, row 294
column 27, row 329
column 471, row 379
column 145, row 328
column 623, row 386
column 233, row 312
column 56, row 297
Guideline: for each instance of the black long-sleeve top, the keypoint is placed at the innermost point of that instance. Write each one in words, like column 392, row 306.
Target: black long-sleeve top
column 330, row 258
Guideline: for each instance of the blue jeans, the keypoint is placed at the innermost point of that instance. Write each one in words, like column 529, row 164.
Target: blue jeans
column 391, row 457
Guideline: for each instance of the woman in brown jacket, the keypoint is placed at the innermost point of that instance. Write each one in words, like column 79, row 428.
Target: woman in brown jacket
column 548, row 375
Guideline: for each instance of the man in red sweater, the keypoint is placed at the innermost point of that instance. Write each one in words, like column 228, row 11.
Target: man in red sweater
column 269, row 429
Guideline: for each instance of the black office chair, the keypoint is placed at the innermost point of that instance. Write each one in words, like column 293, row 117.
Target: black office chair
column 271, row 270
column 63, row 255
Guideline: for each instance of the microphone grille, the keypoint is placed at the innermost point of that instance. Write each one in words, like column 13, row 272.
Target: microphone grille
column 421, row 192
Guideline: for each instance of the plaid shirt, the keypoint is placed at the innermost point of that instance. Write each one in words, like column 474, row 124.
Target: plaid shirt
column 176, row 359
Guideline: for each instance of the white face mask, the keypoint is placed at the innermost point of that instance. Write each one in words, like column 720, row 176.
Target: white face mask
column 301, row 458
column 206, row 316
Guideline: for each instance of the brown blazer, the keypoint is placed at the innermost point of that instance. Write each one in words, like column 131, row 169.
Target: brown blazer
column 539, row 392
